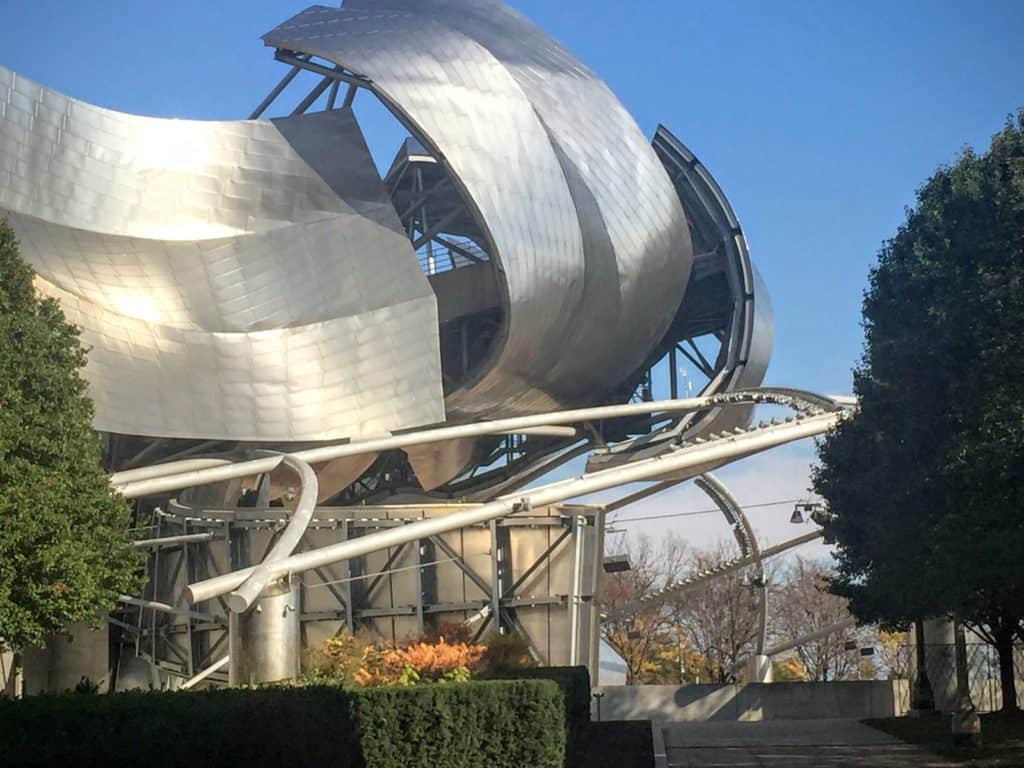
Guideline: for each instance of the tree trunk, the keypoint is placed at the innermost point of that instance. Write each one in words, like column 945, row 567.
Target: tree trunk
column 1007, row 678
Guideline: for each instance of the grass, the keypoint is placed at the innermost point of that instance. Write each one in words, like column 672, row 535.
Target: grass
column 1002, row 739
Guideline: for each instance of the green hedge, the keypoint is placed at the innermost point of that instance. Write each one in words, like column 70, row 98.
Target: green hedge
column 451, row 726
column 472, row 725
column 574, row 683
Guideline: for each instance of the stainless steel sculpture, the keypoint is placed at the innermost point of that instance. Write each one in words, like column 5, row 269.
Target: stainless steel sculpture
column 244, row 281
column 253, row 281
column 256, row 289
column 587, row 236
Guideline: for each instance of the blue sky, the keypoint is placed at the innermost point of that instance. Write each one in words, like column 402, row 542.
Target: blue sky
column 819, row 119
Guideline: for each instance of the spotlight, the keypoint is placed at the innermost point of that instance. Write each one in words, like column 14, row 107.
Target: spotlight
column 616, row 564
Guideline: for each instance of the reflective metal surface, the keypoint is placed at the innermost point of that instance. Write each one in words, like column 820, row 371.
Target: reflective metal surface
column 589, row 238
column 253, row 280
column 748, row 322
column 235, row 280
column 265, row 643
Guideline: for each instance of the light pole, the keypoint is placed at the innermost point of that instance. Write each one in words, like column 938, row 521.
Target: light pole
column 966, row 722
column 922, row 698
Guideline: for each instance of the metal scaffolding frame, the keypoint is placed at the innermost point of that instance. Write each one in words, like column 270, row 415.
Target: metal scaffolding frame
column 399, row 594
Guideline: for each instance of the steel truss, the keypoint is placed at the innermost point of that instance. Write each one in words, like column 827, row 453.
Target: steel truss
column 534, row 573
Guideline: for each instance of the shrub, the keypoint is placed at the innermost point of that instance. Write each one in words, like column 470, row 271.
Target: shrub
column 250, row 728
column 345, row 659
column 506, row 653
column 574, row 683
column 339, row 659
column 500, row 724
column 420, row 663
column 457, row 726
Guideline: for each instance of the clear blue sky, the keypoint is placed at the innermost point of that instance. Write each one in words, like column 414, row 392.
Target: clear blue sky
column 819, row 119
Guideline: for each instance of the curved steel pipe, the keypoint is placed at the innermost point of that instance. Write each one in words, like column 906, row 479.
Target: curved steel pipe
column 161, row 470
column 749, row 547
column 243, row 598
column 695, row 458
column 188, row 478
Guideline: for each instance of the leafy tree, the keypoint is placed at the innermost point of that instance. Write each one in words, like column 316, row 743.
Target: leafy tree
column 925, row 484
column 64, row 548
column 720, row 616
column 801, row 605
column 645, row 639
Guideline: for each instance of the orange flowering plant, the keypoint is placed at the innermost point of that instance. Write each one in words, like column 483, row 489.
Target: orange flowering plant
column 422, row 662
column 446, row 655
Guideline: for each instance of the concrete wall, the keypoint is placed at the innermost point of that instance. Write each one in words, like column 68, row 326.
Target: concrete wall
column 6, row 672
column 753, row 701
column 65, row 660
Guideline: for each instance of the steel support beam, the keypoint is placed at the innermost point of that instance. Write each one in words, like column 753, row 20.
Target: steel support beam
column 285, row 82
column 170, row 477
column 313, row 95
column 334, row 74
column 684, row 462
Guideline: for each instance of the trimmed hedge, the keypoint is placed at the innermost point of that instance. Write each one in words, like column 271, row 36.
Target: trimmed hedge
column 574, row 683
column 470, row 725
column 450, row 726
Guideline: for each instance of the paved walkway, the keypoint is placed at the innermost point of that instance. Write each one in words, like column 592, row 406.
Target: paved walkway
column 790, row 744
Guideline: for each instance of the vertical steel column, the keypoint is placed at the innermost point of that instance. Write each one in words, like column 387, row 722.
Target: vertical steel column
column 579, row 522
column 265, row 641
column 496, row 568
column 154, row 594
column 922, row 699
column 350, row 95
column 332, row 96
column 424, row 224
column 596, row 549
column 673, row 373
column 420, row 544
column 966, row 721
column 189, row 578
column 349, row 592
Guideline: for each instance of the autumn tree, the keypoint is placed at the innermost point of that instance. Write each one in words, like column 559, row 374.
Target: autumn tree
column 64, row 547
column 894, row 655
column 645, row 640
column 721, row 616
column 801, row 606
column 924, row 484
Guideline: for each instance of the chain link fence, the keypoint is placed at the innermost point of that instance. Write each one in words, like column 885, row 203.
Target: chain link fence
column 982, row 668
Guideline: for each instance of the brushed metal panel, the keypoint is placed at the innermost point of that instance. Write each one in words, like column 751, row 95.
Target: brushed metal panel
column 235, row 280
column 637, row 246
column 588, row 235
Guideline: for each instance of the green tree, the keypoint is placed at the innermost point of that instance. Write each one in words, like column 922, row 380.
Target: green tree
column 925, row 484
column 64, row 547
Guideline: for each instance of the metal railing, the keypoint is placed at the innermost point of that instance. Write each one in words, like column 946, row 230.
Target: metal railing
column 436, row 257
